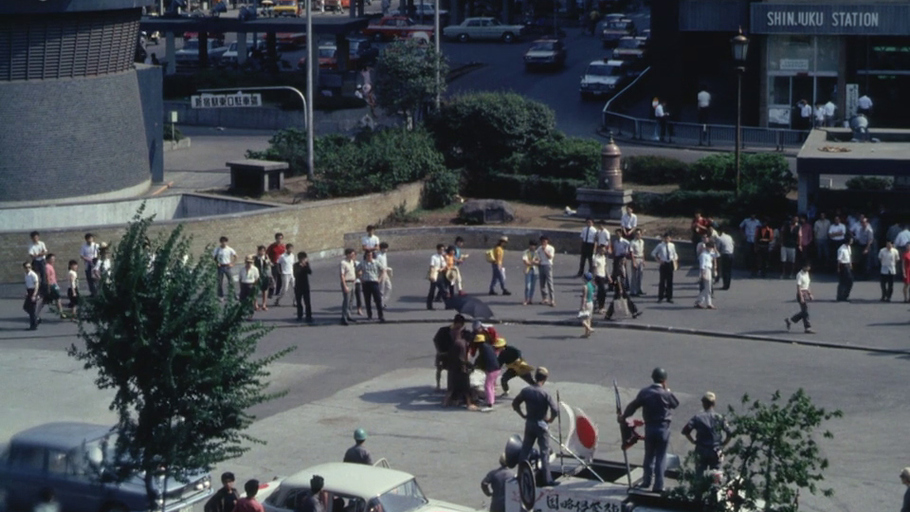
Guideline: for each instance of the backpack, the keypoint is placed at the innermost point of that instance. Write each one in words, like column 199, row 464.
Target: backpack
column 491, row 257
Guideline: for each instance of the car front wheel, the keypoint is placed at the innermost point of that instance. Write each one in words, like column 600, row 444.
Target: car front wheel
column 463, row 38
column 508, row 37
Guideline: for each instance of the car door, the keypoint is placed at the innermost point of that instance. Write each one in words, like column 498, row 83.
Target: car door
column 24, row 476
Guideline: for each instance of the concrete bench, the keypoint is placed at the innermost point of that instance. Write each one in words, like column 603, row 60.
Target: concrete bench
column 257, row 176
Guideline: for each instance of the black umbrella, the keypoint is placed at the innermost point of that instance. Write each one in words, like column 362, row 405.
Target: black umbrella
column 470, row 306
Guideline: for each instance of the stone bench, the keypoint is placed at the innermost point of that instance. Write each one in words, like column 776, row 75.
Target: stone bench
column 257, row 176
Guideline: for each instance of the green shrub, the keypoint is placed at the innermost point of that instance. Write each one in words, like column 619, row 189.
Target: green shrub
column 533, row 189
column 440, row 188
column 558, row 157
column 401, row 215
column 286, row 146
column 868, row 183
column 712, row 203
column 654, row 170
column 762, row 174
column 171, row 132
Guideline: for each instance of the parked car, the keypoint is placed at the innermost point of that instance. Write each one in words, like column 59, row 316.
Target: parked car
column 291, row 39
column 326, row 55
column 631, row 50
column 230, row 57
column 388, row 28
column 189, row 54
column 483, row 28
column 616, row 29
column 546, row 53
column 603, row 78
column 70, row 459
column 359, row 487
column 287, row 8
column 425, row 13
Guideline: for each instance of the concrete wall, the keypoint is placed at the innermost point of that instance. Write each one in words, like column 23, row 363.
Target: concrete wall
column 317, row 227
column 151, row 91
column 264, row 118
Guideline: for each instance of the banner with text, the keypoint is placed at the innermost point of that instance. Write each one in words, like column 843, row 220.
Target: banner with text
column 830, row 19
column 226, row 100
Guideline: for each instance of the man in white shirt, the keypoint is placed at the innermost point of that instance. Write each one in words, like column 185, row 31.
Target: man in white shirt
column 602, row 237
column 864, row 105
column 637, row 250
column 830, row 109
column 704, row 105
column 820, row 234
column 587, row 236
column 37, row 251
column 437, row 276
column 547, row 254
column 724, row 244
column 369, row 242
column 385, row 286
column 628, row 223
column 803, row 296
column 845, row 270
column 286, row 269
column 225, row 256
column 836, row 234
column 749, row 227
column 666, row 257
column 805, row 114
column 600, row 277
column 865, row 241
column 888, row 257
column 32, row 283
column 621, row 253
column 348, row 274
column 706, row 277
column 89, row 253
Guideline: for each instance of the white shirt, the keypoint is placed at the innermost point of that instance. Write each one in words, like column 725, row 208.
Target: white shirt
column 749, row 226
column 620, row 247
column 382, row 259
column 36, row 249
column 864, row 234
column 704, row 99
column 888, row 258
column 902, row 239
column 820, row 229
column 370, row 243
column 31, row 280
column 224, row 255
column 844, row 255
column 724, row 244
column 706, row 260
column 74, row 279
column 820, row 114
column 249, row 275
column 286, row 263
column 629, row 221
column 805, row 111
column 864, row 102
column 665, row 252
column 89, row 252
column 587, row 234
column 837, row 231
column 830, row 107
column 603, row 237
column 438, row 261
column 637, row 246
column 802, row 280
column 659, row 111
column 546, row 254
column 600, row 265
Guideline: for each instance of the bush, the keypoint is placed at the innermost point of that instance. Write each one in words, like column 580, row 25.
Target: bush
column 654, row 170
column 868, row 183
column 761, row 174
column 173, row 133
column 558, row 157
column 712, row 203
column 440, row 188
column 286, row 146
column 533, row 189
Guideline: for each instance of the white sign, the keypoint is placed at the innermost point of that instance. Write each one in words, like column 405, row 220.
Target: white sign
column 226, row 100
column 852, row 97
column 794, row 64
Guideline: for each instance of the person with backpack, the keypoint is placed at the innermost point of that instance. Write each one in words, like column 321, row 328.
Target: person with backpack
column 494, row 257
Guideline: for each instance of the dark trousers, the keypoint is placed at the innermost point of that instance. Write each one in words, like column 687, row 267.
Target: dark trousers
column 587, row 256
column 437, row 289
column 371, row 291
column 92, row 287
column 665, row 285
column 633, row 309
column 40, row 268
column 535, row 432
column 803, row 315
column 302, row 297
column 762, row 255
column 726, row 269
column 276, row 276
column 887, row 283
column 31, row 307
column 706, row 458
column 511, row 374
column 601, row 283
column 703, row 115
column 656, row 442
column 224, row 274
column 844, row 282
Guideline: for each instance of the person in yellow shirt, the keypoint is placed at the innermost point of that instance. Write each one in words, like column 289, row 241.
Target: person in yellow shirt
column 531, row 262
column 499, row 272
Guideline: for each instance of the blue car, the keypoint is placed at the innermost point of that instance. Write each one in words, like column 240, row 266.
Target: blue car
column 68, row 458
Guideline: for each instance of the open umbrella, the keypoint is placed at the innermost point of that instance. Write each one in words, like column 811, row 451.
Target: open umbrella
column 470, row 306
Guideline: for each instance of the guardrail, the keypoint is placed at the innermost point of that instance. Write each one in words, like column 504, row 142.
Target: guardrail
column 693, row 134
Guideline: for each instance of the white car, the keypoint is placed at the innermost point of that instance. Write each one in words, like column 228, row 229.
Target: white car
column 355, row 488
column 603, row 78
column 483, row 28
column 189, row 54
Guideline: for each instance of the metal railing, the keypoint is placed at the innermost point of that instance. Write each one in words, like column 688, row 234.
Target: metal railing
column 695, row 134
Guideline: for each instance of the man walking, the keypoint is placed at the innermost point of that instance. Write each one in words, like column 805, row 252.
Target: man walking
column 845, row 270
column 274, row 251
column 385, row 289
column 89, row 254
column 587, row 236
column 37, row 252
column 637, row 251
column 225, row 257
column 656, row 402
column 547, row 253
column 888, row 259
column 724, row 244
column 499, row 271
column 537, row 404
column 711, row 435
column 371, row 274
column 865, row 239
column 302, row 272
column 436, row 276
column 665, row 255
column 803, row 296
column 348, row 276
column 358, row 454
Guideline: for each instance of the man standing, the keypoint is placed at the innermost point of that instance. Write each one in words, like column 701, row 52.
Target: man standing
column 89, row 253
column 547, row 253
column 836, row 234
column 537, row 403
column 499, row 271
column 274, row 251
column 459, row 372
column 225, row 257
column 286, row 269
column 249, row 503
column 706, row 277
column 805, row 240
column 357, row 454
column 531, row 261
column 602, row 238
column 371, row 274
column 888, row 259
column 637, row 251
column 704, row 105
column 711, row 435
column 224, row 499
column 764, row 237
column 494, row 485
column 803, row 296
column 443, row 340
column 749, row 228
column 460, row 258
column 302, row 272
column 845, row 270
column 725, row 246
column 865, row 238
column 789, row 239
column 37, row 251
column 656, row 401
column 665, row 255
column 32, row 281
column 830, row 109
column 436, row 275
column 369, row 242
column 317, row 499
column 864, row 105
column 820, row 234
column 905, row 479
column 629, row 222
column 385, row 289
column 587, row 236
column 348, row 276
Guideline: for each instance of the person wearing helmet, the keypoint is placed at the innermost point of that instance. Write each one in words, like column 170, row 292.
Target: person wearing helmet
column 494, row 485
column 357, row 454
column 655, row 401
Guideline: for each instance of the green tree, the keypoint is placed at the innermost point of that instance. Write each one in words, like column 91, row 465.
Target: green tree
column 181, row 364
column 406, row 77
column 762, row 174
column 287, row 145
column 558, row 157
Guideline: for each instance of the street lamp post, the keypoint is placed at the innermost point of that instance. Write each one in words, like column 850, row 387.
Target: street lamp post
column 740, row 45
column 436, row 43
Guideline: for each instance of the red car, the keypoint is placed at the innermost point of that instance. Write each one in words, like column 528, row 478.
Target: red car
column 397, row 27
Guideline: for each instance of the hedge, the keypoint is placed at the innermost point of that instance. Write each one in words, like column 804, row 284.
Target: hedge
column 533, row 189
column 654, row 170
column 712, row 203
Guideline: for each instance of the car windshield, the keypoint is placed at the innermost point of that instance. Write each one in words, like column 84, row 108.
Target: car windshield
column 617, row 25
column 325, row 53
column 631, row 44
column 600, row 70
column 543, row 47
column 404, row 498
column 191, row 45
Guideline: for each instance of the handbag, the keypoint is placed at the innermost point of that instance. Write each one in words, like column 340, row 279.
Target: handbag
column 433, row 273
column 621, row 308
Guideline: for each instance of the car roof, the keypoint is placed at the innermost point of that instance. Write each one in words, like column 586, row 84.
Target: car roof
column 546, row 40
column 63, row 435
column 351, row 479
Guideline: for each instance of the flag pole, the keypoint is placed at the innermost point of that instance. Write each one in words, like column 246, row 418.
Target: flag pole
column 562, row 465
column 625, row 454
